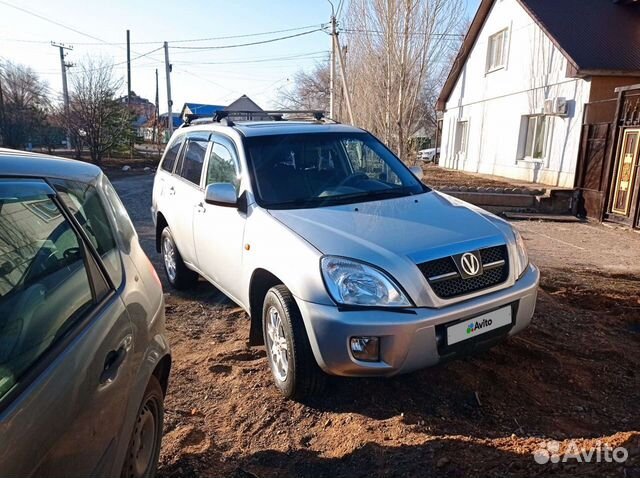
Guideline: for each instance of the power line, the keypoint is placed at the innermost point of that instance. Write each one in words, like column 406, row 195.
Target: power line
column 41, row 17
column 237, row 45
column 302, row 56
column 378, row 32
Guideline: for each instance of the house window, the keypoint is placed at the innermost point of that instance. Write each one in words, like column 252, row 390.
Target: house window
column 462, row 134
column 536, row 129
column 497, row 51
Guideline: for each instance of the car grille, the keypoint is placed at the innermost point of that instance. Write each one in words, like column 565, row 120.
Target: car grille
column 445, row 280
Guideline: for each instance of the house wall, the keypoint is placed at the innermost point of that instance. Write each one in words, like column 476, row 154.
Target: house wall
column 603, row 87
column 494, row 103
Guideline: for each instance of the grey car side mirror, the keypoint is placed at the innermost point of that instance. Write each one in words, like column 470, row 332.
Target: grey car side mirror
column 221, row 194
column 417, row 171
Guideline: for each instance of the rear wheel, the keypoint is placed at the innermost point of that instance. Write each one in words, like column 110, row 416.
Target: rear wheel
column 295, row 371
column 144, row 447
column 178, row 274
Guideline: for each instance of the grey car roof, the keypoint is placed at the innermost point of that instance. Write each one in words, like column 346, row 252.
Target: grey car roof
column 267, row 128
column 24, row 163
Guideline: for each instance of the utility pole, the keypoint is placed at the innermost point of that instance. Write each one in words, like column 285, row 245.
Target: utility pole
column 65, row 90
column 156, row 135
column 167, row 67
column 343, row 76
column 332, row 67
column 128, row 69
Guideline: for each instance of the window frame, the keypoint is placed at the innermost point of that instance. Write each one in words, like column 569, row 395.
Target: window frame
column 180, row 140
column 228, row 143
column 489, row 66
column 524, row 140
column 99, row 280
column 461, row 139
column 177, row 170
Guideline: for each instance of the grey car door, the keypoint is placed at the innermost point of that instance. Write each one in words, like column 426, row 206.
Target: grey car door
column 65, row 335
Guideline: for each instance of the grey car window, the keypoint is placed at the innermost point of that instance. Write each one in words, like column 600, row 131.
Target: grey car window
column 44, row 284
column 85, row 204
column 223, row 166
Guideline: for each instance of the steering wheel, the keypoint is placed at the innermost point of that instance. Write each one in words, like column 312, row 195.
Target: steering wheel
column 352, row 178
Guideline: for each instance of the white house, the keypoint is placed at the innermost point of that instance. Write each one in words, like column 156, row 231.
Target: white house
column 513, row 102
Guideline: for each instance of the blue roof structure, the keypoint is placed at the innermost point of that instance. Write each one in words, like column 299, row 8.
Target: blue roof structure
column 201, row 109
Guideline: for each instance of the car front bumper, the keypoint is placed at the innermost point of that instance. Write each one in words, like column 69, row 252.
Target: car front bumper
column 414, row 338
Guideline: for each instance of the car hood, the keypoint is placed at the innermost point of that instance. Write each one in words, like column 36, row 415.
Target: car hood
column 420, row 228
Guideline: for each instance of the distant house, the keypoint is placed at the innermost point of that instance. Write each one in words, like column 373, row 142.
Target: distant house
column 199, row 109
column 144, row 112
column 514, row 101
column 249, row 108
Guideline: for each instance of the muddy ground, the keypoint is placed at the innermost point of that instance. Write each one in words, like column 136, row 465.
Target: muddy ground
column 572, row 376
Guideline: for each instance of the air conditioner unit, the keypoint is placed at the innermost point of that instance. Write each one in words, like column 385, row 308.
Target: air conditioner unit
column 555, row 106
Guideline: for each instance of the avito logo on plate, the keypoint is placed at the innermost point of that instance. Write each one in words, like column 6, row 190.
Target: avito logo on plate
column 473, row 326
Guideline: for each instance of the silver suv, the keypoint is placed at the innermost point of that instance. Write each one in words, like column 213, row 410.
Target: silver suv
column 84, row 360
column 344, row 260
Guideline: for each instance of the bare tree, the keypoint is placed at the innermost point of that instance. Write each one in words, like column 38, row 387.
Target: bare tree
column 25, row 104
column 96, row 119
column 399, row 52
column 310, row 90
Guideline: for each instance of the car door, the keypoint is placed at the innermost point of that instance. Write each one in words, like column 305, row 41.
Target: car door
column 164, row 182
column 65, row 337
column 219, row 230
column 189, row 193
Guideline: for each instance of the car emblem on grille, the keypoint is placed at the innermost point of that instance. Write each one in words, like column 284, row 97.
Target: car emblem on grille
column 470, row 264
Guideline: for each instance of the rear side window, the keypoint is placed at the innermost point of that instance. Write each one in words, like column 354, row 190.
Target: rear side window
column 171, row 155
column 85, row 204
column 44, row 284
column 190, row 167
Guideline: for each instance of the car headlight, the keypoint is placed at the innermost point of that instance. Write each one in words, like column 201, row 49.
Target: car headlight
column 351, row 282
column 521, row 256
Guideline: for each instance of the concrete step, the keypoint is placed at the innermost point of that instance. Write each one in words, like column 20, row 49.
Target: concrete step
column 534, row 216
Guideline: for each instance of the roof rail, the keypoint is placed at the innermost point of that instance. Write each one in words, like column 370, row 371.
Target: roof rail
column 224, row 116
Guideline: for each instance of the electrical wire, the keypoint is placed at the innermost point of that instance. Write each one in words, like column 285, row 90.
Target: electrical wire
column 237, row 45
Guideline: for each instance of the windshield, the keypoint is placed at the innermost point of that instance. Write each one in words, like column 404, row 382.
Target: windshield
column 312, row 170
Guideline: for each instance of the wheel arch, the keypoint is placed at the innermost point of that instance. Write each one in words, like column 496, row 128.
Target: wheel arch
column 162, row 371
column 261, row 281
column 161, row 223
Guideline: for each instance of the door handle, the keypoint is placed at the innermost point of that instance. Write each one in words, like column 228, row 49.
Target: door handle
column 200, row 208
column 172, row 191
column 112, row 363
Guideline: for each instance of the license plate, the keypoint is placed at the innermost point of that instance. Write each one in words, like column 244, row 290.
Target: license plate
column 479, row 325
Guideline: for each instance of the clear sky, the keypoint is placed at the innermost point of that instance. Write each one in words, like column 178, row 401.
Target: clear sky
column 216, row 76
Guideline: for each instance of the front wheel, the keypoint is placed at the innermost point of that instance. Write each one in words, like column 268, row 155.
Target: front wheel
column 294, row 368
column 144, row 446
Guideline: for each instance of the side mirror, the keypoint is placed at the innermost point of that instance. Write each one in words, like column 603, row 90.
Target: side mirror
column 417, row 171
column 221, row 194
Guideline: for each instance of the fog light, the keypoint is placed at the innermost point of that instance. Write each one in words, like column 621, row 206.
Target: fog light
column 366, row 349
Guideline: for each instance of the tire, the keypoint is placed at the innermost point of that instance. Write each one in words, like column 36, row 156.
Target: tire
column 300, row 377
column 178, row 274
column 141, row 460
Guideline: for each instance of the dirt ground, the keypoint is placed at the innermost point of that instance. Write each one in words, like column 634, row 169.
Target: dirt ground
column 572, row 375
column 439, row 178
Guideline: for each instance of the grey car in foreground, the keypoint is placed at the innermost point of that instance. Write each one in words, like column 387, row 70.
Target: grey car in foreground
column 84, row 361
column 345, row 261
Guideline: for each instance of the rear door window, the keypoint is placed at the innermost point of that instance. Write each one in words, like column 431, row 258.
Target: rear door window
column 85, row 204
column 170, row 156
column 44, row 283
column 190, row 165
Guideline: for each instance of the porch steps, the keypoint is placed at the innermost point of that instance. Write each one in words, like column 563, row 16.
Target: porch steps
column 534, row 216
column 518, row 200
